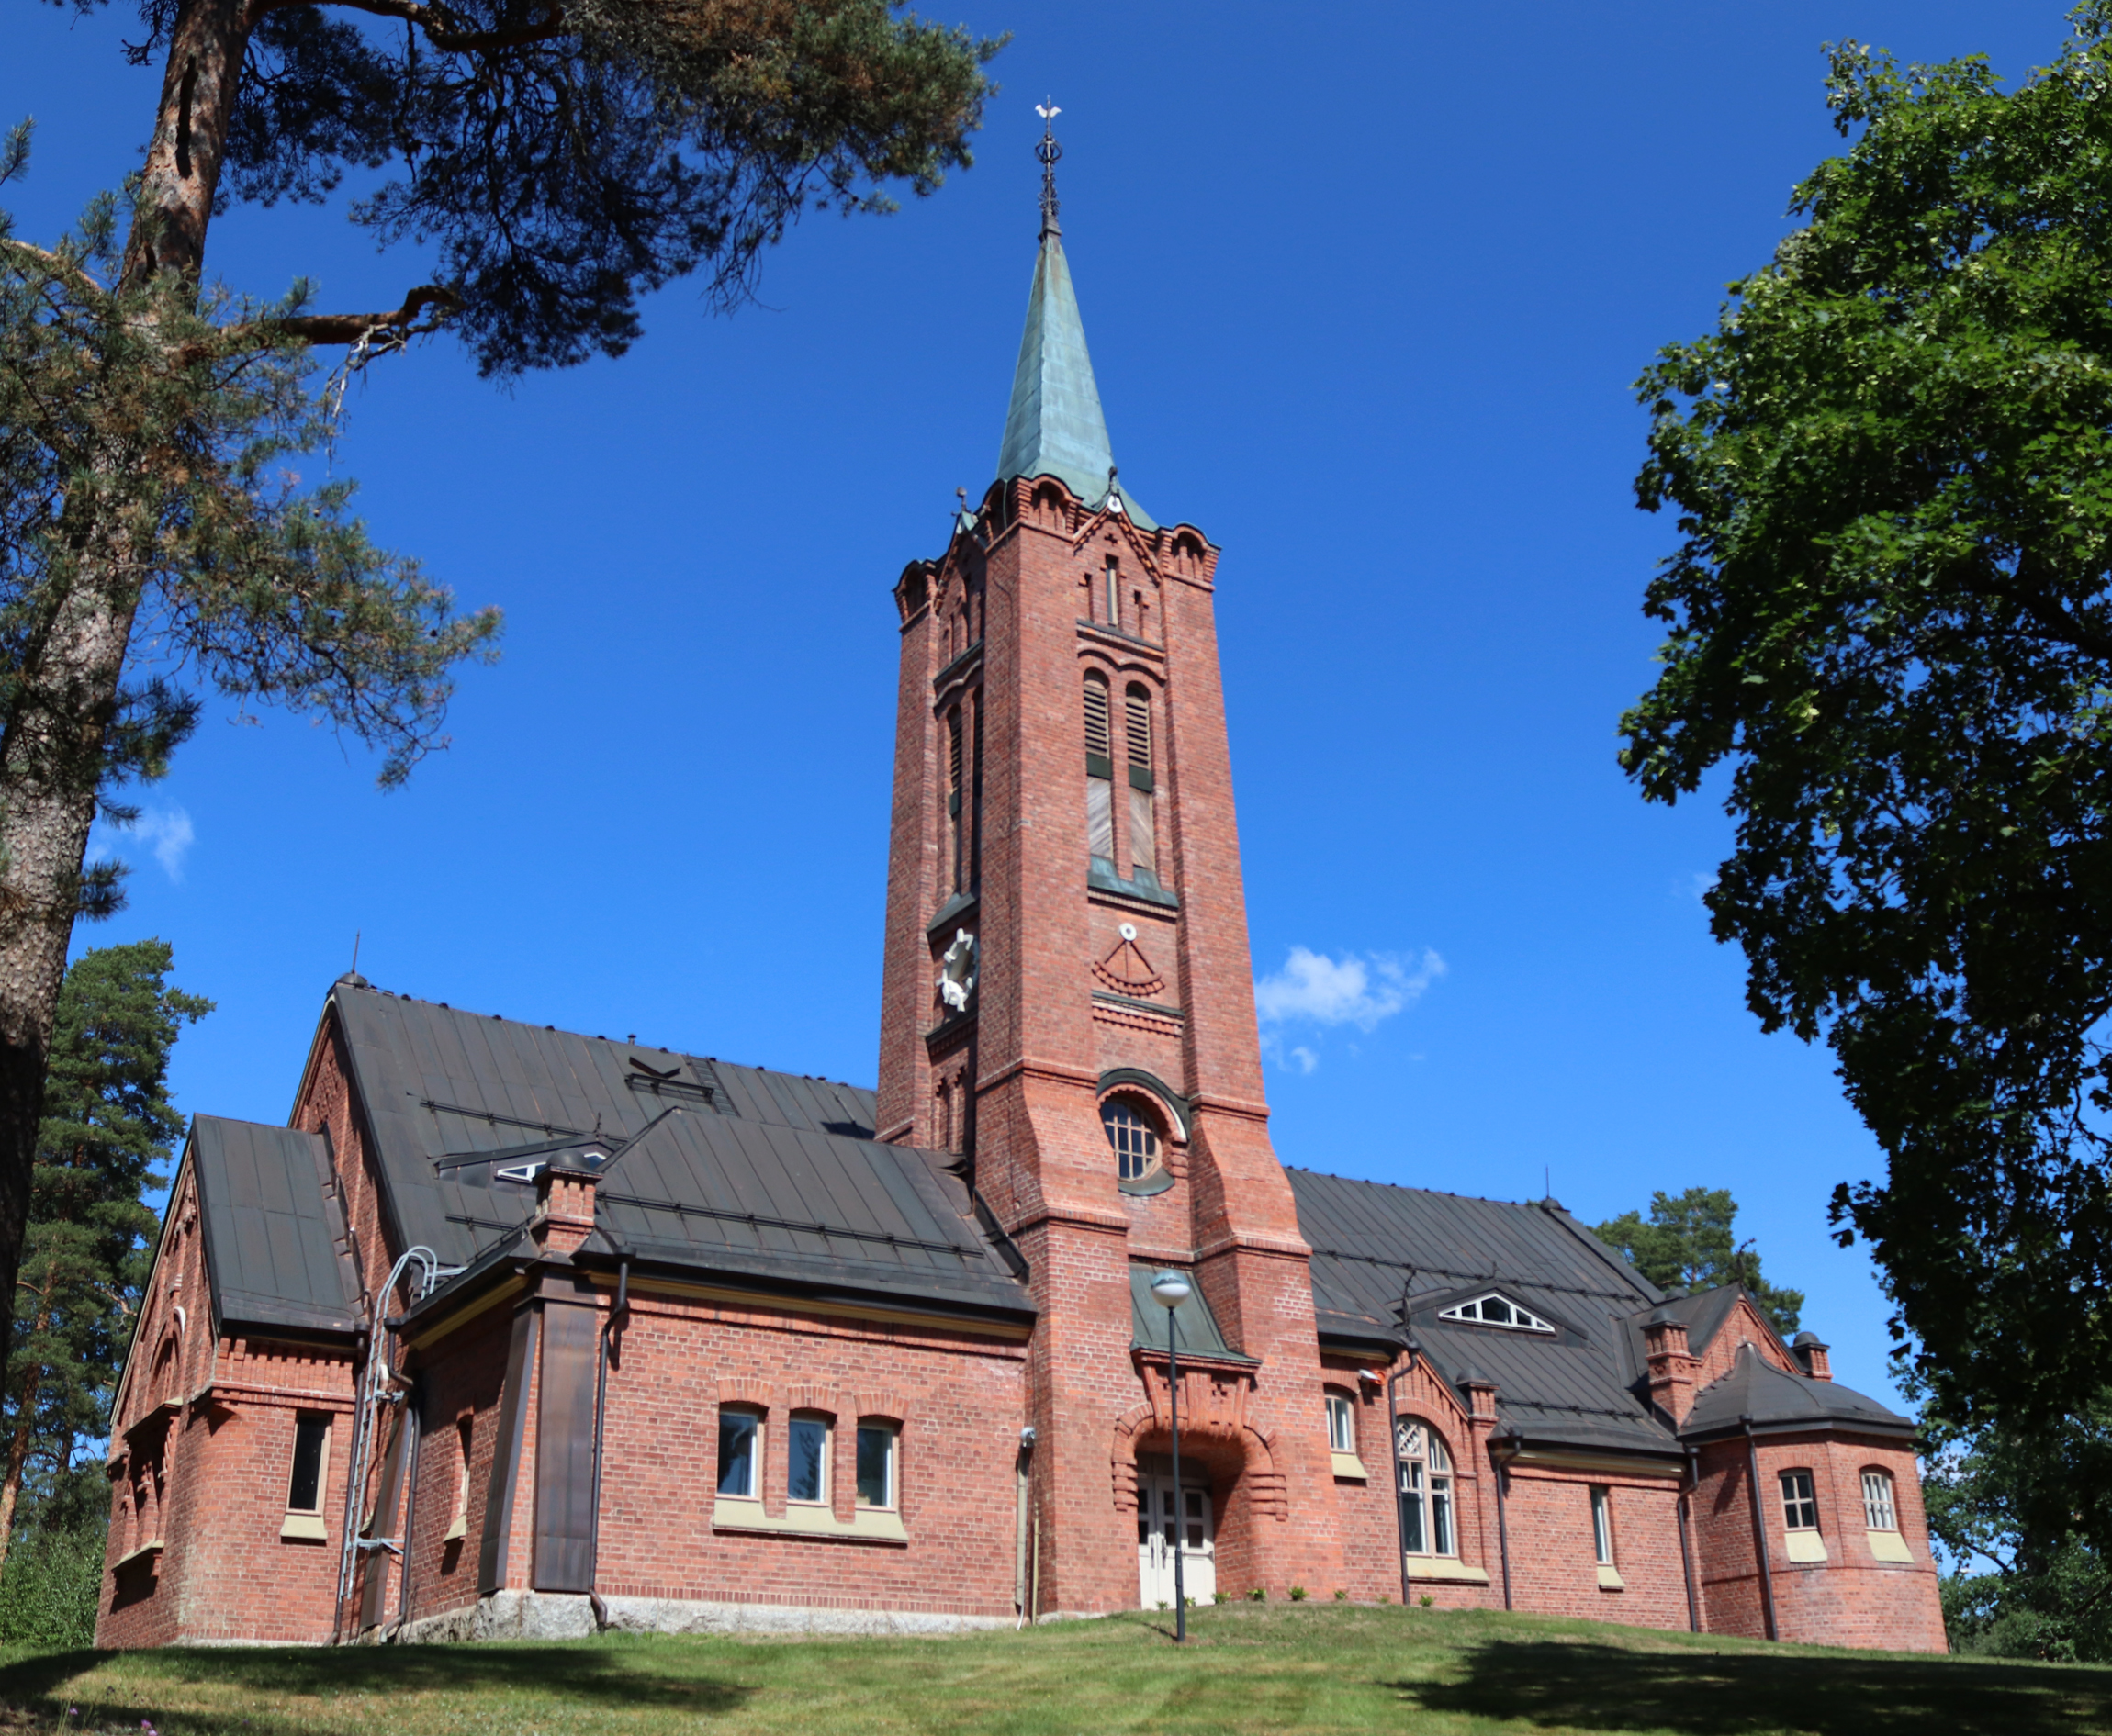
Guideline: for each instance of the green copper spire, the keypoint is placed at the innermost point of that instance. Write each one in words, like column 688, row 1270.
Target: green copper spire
column 1054, row 427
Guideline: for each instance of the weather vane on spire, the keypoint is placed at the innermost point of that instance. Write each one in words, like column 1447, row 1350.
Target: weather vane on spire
column 1048, row 150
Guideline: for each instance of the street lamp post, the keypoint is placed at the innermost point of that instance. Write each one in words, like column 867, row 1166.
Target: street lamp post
column 1171, row 1290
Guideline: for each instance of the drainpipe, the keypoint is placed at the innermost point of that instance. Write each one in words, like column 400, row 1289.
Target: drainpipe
column 1502, row 1521
column 414, row 1422
column 1759, row 1530
column 1687, row 1560
column 1393, row 1465
column 619, row 1315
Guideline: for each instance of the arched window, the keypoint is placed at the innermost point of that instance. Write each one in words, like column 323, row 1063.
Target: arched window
column 1880, row 1517
column 1800, row 1534
column 1143, row 843
column 1423, row 1476
column 1341, row 1422
column 1099, row 770
column 1133, row 1138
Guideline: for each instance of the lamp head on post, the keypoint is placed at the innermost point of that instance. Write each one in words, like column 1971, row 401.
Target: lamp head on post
column 1171, row 1290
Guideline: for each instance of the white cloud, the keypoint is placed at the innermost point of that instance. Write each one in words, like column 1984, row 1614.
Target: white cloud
column 1314, row 988
column 1306, row 1059
column 166, row 834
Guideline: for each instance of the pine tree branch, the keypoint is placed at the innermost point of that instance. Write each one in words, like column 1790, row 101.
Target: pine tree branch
column 441, row 30
column 351, row 328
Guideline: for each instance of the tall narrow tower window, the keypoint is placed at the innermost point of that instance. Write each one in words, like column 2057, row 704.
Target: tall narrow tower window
column 1099, row 770
column 1143, row 843
column 1112, row 594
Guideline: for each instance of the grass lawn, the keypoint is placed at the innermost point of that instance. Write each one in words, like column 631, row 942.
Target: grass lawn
column 1310, row 1668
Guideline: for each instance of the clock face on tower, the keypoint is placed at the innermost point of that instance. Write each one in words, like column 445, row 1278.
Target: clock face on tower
column 957, row 972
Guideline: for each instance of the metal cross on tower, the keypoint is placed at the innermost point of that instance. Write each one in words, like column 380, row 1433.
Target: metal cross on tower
column 1048, row 150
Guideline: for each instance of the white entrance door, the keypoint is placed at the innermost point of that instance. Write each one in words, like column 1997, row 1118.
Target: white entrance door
column 1159, row 1533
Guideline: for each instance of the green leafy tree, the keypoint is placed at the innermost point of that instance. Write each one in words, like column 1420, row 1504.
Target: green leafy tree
column 108, row 1125
column 2018, row 1587
column 1686, row 1243
column 557, row 159
column 1889, row 619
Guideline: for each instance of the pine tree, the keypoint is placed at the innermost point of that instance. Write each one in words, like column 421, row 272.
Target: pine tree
column 108, row 1125
column 555, row 161
column 1688, row 1242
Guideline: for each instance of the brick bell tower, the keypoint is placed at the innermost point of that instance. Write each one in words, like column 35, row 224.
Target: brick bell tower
column 1068, row 998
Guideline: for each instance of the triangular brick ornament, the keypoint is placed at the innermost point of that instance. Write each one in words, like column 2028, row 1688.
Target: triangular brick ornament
column 1125, row 970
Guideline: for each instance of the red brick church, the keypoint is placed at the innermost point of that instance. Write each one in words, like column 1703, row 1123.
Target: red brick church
column 511, row 1330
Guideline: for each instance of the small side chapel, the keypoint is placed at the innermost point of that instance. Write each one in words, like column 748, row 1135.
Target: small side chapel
column 511, row 1330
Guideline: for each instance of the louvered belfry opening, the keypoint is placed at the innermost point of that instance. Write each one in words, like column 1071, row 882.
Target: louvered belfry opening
column 1099, row 770
column 1143, row 840
column 955, row 828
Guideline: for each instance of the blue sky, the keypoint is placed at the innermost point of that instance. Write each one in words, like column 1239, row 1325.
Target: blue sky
column 1365, row 287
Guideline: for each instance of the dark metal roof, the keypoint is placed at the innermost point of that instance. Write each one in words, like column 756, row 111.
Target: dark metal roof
column 743, row 1172
column 1195, row 1328
column 1372, row 1242
column 275, row 1247
column 1774, row 1399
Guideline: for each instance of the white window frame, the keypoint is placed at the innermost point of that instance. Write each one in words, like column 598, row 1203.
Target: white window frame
column 1341, row 1423
column 1522, row 1319
column 1422, row 1480
column 1603, row 1523
column 893, row 1493
column 1880, row 1502
column 758, row 1423
column 826, row 1424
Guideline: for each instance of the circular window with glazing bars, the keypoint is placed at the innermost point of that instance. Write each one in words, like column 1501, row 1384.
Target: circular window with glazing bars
column 1134, row 1138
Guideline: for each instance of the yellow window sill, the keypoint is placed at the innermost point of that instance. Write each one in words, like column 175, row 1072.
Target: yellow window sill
column 1889, row 1546
column 1805, row 1546
column 1610, row 1577
column 1443, row 1570
column 305, row 1525
column 455, row 1532
column 1347, row 1464
column 870, row 1525
column 144, row 1550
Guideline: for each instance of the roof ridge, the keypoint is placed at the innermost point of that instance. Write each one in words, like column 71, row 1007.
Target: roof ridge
column 592, row 1036
column 1404, row 1187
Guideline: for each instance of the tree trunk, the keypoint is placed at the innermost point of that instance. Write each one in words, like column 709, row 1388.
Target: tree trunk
column 51, row 753
column 25, row 1432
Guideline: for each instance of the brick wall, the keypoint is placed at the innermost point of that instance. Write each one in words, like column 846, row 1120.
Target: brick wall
column 1851, row 1597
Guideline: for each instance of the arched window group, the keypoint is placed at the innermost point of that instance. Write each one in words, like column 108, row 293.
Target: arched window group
column 1423, row 1472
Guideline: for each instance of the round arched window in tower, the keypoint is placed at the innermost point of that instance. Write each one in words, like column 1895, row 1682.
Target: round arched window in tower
column 1133, row 1138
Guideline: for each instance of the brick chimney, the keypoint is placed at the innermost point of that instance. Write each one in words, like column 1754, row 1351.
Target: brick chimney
column 564, row 1205
column 1672, row 1364
column 1480, row 1393
column 1809, row 1352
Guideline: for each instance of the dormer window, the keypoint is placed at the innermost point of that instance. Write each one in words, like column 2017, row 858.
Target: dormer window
column 1493, row 1310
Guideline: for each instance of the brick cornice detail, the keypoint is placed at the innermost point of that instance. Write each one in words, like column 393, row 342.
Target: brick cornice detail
column 1029, row 1066
column 1245, row 1109
column 1269, row 1247
column 1071, row 1218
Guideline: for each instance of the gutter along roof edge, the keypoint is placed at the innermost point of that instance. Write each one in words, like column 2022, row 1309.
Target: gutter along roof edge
column 657, row 1261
